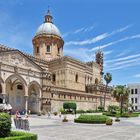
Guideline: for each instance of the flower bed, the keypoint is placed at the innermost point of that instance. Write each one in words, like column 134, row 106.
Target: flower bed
column 93, row 119
column 16, row 135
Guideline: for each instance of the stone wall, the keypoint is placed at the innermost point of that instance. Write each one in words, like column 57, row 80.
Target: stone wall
column 81, row 105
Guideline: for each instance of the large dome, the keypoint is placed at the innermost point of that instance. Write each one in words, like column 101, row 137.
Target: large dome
column 48, row 28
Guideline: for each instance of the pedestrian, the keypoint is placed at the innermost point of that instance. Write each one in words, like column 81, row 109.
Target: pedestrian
column 49, row 114
column 60, row 114
column 17, row 115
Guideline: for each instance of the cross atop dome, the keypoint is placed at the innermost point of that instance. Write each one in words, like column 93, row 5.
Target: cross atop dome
column 48, row 17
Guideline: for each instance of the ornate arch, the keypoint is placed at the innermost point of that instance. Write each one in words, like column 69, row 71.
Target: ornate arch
column 37, row 85
column 1, row 80
column 34, row 83
column 34, row 95
column 18, row 77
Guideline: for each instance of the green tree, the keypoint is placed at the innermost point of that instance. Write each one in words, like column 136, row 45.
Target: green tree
column 121, row 93
column 70, row 105
column 108, row 79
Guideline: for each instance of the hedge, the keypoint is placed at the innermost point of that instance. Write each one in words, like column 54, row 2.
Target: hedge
column 124, row 115
column 17, row 135
column 5, row 124
column 109, row 114
column 127, row 115
column 93, row 119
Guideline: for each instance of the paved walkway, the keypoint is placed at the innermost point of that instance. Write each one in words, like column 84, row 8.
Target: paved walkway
column 54, row 129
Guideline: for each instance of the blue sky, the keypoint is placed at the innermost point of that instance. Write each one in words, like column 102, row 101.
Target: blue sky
column 114, row 25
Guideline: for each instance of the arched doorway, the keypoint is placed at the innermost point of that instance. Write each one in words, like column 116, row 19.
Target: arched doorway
column 34, row 97
column 1, row 98
column 15, row 92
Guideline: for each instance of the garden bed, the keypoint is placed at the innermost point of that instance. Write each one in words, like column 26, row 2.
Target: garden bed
column 16, row 135
column 123, row 115
column 92, row 119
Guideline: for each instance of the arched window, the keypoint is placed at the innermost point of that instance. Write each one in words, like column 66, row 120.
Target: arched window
column 48, row 49
column 76, row 78
column 96, row 81
column 20, row 87
column 58, row 51
column 37, row 49
column 53, row 77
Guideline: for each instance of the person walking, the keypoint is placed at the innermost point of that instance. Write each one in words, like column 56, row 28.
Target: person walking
column 49, row 114
column 60, row 114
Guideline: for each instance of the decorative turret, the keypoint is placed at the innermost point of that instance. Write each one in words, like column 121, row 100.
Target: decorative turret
column 48, row 17
column 48, row 43
column 99, row 58
column 100, row 61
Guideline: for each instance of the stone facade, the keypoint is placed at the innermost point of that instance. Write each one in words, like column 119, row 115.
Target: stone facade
column 48, row 79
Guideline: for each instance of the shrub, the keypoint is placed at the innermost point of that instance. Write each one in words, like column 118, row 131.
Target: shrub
column 93, row 119
column 117, row 119
column 65, row 119
column 43, row 112
column 113, row 109
column 61, row 110
column 55, row 113
column 5, row 124
column 109, row 114
column 109, row 121
column 80, row 111
column 100, row 108
column 39, row 114
column 134, row 114
column 90, row 111
column 127, row 115
column 69, row 105
column 16, row 135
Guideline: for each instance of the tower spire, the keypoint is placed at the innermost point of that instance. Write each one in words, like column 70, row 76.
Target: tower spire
column 48, row 17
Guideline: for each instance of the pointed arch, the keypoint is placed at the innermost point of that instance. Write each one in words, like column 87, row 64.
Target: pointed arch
column 34, row 83
column 34, row 95
column 1, row 80
column 18, row 77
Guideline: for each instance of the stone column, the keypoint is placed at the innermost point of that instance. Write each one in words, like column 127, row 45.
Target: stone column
column 26, row 105
column 39, row 104
column 4, row 92
column 26, row 100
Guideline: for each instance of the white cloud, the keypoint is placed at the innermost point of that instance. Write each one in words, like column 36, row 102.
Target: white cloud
column 124, row 58
column 137, row 76
column 115, row 42
column 79, row 53
column 97, row 38
column 107, row 52
column 88, row 41
column 79, row 30
column 123, row 62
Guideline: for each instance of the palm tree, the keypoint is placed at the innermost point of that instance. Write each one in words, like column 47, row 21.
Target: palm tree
column 121, row 94
column 108, row 79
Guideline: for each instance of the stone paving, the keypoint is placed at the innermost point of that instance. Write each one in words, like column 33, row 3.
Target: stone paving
column 54, row 129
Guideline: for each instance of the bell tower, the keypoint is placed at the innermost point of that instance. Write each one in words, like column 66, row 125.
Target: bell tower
column 47, row 42
column 100, row 61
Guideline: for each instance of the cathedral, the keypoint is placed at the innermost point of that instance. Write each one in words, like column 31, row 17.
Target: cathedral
column 48, row 78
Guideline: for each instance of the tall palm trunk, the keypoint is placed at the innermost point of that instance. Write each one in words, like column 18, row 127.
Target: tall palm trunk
column 121, row 105
column 105, row 95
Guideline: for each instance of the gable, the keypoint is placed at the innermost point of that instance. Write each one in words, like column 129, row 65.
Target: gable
column 16, row 58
